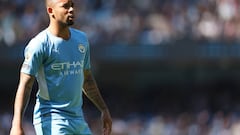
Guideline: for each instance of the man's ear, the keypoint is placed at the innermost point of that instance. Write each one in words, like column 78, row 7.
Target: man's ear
column 50, row 11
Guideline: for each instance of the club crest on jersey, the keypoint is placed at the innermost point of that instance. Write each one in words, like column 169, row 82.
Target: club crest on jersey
column 81, row 48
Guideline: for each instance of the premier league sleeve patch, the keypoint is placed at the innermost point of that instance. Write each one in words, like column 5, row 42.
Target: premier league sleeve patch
column 27, row 56
column 27, row 59
column 33, row 59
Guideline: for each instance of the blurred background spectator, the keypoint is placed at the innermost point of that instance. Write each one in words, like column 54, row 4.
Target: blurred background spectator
column 166, row 67
column 151, row 22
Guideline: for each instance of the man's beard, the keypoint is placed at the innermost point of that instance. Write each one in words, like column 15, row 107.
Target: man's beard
column 70, row 23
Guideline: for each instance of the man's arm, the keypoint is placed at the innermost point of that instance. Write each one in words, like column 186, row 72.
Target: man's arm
column 21, row 102
column 92, row 92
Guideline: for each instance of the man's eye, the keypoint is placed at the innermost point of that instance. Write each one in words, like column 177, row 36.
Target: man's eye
column 67, row 6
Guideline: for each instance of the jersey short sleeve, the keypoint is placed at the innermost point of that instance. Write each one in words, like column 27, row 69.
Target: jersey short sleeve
column 33, row 57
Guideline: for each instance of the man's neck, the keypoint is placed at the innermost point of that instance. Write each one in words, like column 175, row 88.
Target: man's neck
column 62, row 32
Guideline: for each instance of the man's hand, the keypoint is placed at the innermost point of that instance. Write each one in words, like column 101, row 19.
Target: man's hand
column 107, row 122
column 15, row 130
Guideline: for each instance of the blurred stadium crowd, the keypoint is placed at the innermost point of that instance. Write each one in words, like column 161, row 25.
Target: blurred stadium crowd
column 202, row 123
column 134, row 22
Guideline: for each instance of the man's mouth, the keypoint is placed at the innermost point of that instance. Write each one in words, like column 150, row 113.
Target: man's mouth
column 71, row 17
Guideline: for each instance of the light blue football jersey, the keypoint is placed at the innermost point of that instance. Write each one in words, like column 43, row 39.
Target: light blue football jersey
column 58, row 66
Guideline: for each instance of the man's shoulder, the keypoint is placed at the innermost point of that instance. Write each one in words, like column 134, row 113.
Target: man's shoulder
column 41, row 36
column 78, row 32
column 39, row 40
